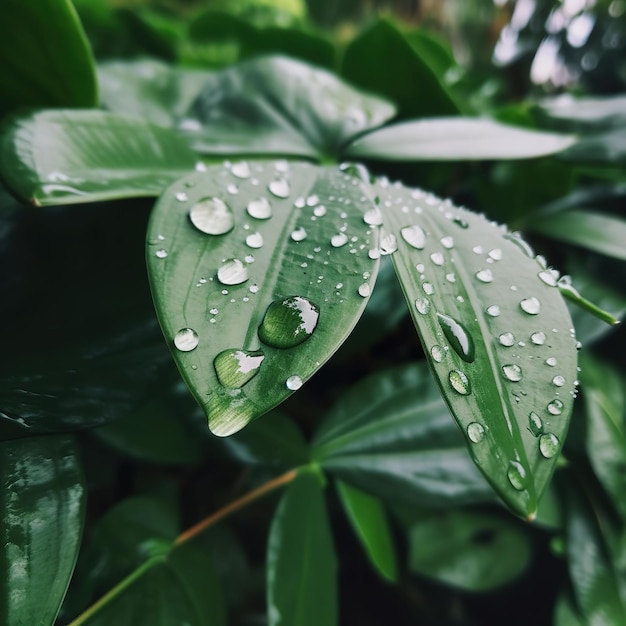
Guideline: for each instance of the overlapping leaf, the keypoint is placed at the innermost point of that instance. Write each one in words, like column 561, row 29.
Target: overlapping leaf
column 279, row 255
column 496, row 333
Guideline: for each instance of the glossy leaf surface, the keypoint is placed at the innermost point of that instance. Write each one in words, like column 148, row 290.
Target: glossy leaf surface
column 45, row 58
column 301, row 561
column 602, row 148
column 391, row 435
column 497, row 335
column 276, row 105
column 247, row 296
column 454, row 138
column 587, row 112
column 369, row 521
column 65, row 156
column 42, row 504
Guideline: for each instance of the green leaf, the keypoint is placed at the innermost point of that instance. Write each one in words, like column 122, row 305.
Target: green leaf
column 588, row 113
column 45, row 59
column 251, row 292
column 42, row 506
column 594, row 231
column 456, row 138
column 276, row 105
column 608, row 147
column 64, row 156
column 412, row 85
column 566, row 613
column 391, row 435
column 464, row 549
column 301, row 561
column 496, row 332
column 368, row 519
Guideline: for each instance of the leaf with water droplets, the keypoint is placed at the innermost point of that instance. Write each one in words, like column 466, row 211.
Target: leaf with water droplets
column 247, row 330
column 500, row 324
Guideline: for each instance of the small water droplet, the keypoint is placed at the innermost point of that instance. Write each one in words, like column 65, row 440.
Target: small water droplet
column 428, row 289
column 212, row 216
column 550, row 277
column 232, row 189
column 289, row 322
column 249, row 258
column 388, row 243
column 516, row 475
column 484, row 276
column 551, row 361
column 373, row 217
column 293, row 383
column 535, row 424
column 451, row 277
column 232, row 272
column 253, row 288
column 512, row 372
column 299, row 234
column 280, row 188
column 460, row 222
column 161, row 253
column 447, row 242
column 493, row 310
column 422, row 305
column 538, row 338
column 459, row 382
column 186, row 339
column 240, row 170
column 478, row 249
column 214, row 311
column 558, row 381
column 549, row 445
column 260, row 209
column 458, row 337
column 364, row 290
column 532, row 306
column 181, row 196
column 476, row 432
column 437, row 258
column 234, row 368
column 338, row 240
column 555, row 407
column 506, row 339
column 415, row 236
column 319, row 211
column 495, row 254
column 438, row 353
column 254, row 240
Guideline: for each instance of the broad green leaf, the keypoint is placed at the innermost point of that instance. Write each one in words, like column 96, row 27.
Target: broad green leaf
column 456, row 138
column 602, row 148
column 301, row 561
column 566, row 613
column 391, row 435
column 45, row 58
column 594, row 231
column 585, row 113
column 276, row 105
column 496, row 332
column 383, row 61
column 465, row 549
column 65, row 156
column 42, row 505
column 368, row 519
column 605, row 402
column 278, row 257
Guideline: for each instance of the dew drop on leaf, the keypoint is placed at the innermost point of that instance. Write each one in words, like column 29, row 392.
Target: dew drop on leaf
column 232, row 272
column 240, row 170
column 506, row 339
column 549, row 445
column 549, row 277
column 161, row 253
column 495, row 254
column 260, row 209
column 551, row 361
column 558, row 381
column 538, row 338
column 212, row 216
column 447, row 242
column 458, row 337
column 254, row 240
column 415, row 236
column 299, row 234
column 338, row 240
column 532, row 306
column 181, row 196
column 422, row 305
column 512, row 372
column 186, row 339
column 388, row 243
column 459, row 382
column 476, row 432
column 428, row 288
column 438, row 353
column 288, row 322
column 493, row 310
column 280, row 188
column 484, row 276
column 234, row 368
column 364, row 290
column 319, row 211
column 516, row 475
column 293, row 383
column 535, row 424
column 373, row 217
column 437, row 258
column 555, row 407
column 460, row 222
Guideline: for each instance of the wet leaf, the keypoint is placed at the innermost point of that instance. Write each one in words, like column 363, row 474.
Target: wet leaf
column 247, row 262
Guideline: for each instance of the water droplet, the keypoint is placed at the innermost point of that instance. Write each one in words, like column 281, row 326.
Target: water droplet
column 550, row 277
column 214, row 311
column 447, row 242
column 538, row 338
column 280, row 188
column 556, row 407
column 506, row 339
column 312, row 200
column 558, row 381
column 484, row 276
column 260, row 209
column 460, row 340
column 438, row 353
column 460, row 222
column 181, row 196
column 338, row 240
column 161, row 253
column 240, row 170
column 299, row 234
column 253, row 288
column 437, row 258
column 289, row 322
column 535, row 424
column 551, row 361
column 319, row 211
column 388, row 243
column 476, row 432
column 373, row 217
column 234, row 368
column 364, row 290
column 495, row 254
column 532, row 306
column 422, row 305
column 249, row 258
column 478, row 249
column 428, row 289
column 232, row 272
column 512, row 372
column 293, row 383
column 414, row 236
column 516, row 238
column 451, row 277
column 459, row 382
column 516, row 475
column 232, row 188
column 254, row 240
column 212, row 216
column 493, row 310
column 374, row 254
column 186, row 339
column 549, row 445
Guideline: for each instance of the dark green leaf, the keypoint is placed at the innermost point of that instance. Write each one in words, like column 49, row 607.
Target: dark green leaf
column 301, row 561
column 496, row 332
column 456, row 138
column 566, row 613
column 45, row 58
column 466, row 549
column 276, row 105
column 606, row 148
column 42, row 507
column 367, row 516
column 392, row 435
column 249, row 296
column 64, row 156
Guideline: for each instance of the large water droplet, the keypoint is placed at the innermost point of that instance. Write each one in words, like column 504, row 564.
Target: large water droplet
column 551, row 361
column 186, row 339
column 338, row 240
column 299, row 234
column 555, row 407
column 506, row 339
column 260, row 209
column 484, row 276
column 493, row 310
column 161, row 253
column 558, row 381
column 460, row 340
column 428, row 289
column 550, row 277
column 212, row 216
column 280, row 188
column 438, row 353
column 319, row 211
column 422, row 305
column 232, row 272
column 240, row 170
column 532, row 306
column 476, row 432
column 538, row 338
column 313, row 200
column 549, row 445
column 364, row 290
column 254, row 240
column 512, row 372
column 234, row 368
column 437, row 258
column 447, row 242
column 516, row 475
column 535, row 424
column 373, row 217
column 459, row 382
column 495, row 254
column 388, row 243
column 293, row 383
column 181, row 196
column 414, row 236
column 289, row 322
